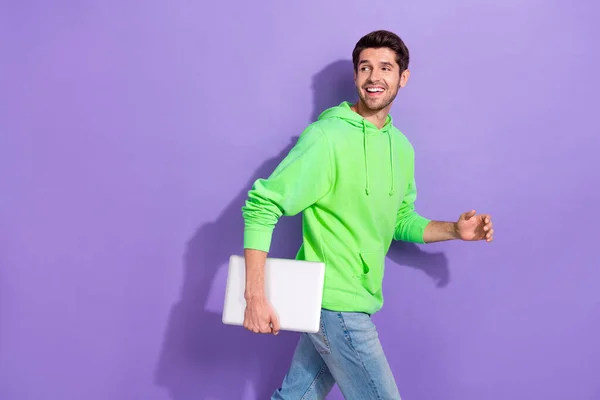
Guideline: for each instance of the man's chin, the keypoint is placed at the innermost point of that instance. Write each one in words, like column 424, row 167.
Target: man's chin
column 374, row 106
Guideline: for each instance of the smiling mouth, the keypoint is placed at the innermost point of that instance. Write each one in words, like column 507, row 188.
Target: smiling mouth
column 374, row 90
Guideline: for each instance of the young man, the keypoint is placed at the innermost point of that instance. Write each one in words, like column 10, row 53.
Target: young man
column 351, row 174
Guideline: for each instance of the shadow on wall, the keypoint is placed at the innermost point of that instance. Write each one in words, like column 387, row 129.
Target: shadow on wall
column 332, row 85
column 434, row 265
column 203, row 359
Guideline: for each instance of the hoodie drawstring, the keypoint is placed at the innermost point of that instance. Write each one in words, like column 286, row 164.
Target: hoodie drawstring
column 391, row 161
column 366, row 157
column 390, row 145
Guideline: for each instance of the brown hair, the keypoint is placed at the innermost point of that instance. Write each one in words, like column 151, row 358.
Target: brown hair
column 379, row 39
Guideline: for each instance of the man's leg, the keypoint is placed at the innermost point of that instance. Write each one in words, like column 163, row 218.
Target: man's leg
column 309, row 377
column 355, row 357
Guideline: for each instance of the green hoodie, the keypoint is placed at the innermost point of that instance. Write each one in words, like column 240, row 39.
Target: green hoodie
column 355, row 185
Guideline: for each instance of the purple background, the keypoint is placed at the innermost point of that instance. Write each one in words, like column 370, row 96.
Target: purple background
column 131, row 131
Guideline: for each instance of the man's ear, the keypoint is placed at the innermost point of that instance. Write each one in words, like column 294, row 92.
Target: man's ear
column 404, row 78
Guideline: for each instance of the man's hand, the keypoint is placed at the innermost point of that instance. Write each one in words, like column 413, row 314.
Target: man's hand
column 260, row 317
column 474, row 227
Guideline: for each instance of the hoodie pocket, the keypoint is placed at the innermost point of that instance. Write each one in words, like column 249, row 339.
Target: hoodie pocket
column 371, row 276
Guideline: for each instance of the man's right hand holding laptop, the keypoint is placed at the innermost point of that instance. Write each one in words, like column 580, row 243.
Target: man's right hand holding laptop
column 259, row 316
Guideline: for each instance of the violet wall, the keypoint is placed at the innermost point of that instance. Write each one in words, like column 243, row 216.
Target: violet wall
column 130, row 132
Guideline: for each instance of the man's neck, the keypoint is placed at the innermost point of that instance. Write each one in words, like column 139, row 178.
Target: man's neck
column 377, row 118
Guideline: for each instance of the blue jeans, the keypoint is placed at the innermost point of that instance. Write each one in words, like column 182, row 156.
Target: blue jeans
column 346, row 351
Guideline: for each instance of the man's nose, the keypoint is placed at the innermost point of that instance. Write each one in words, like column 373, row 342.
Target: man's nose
column 375, row 75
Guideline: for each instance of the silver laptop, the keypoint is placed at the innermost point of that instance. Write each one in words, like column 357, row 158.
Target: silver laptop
column 294, row 288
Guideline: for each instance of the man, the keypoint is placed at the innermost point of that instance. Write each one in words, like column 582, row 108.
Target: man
column 351, row 174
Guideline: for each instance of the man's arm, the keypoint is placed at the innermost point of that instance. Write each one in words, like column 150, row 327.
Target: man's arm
column 302, row 178
column 411, row 227
column 255, row 273
column 259, row 315
column 469, row 227
column 438, row 231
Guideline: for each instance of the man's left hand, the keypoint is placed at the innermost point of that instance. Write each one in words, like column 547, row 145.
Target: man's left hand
column 472, row 227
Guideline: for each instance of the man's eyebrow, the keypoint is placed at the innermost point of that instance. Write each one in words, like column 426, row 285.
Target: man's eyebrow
column 387, row 63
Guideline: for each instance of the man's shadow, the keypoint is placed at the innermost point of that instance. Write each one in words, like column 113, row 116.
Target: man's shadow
column 434, row 265
column 200, row 357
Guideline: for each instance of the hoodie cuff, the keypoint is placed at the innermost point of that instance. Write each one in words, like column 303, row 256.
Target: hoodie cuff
column 258, row 239
column 417, row 230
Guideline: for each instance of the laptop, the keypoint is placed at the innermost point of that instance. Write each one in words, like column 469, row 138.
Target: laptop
column 293, row 287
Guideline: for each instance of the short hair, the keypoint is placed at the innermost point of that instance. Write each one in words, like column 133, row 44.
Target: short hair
column 380, row 39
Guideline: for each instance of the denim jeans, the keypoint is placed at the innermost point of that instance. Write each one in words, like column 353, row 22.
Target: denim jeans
column 346, row 351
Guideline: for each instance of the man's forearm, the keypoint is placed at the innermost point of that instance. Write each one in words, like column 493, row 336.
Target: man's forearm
column 438, row 231
column 255, row 273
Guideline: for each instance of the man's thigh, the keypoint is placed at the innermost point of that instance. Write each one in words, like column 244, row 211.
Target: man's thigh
column 354, row 355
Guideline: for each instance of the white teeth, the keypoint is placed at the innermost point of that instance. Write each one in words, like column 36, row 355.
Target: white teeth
column 374, row 90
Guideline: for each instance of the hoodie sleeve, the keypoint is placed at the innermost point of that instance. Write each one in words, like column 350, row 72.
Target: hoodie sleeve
column 410, row 226
column 304, row 176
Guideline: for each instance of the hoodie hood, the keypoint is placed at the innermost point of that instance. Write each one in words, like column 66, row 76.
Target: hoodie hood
column 345, row 113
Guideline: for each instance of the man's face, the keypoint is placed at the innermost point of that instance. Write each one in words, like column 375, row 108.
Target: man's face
column 378, row 78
